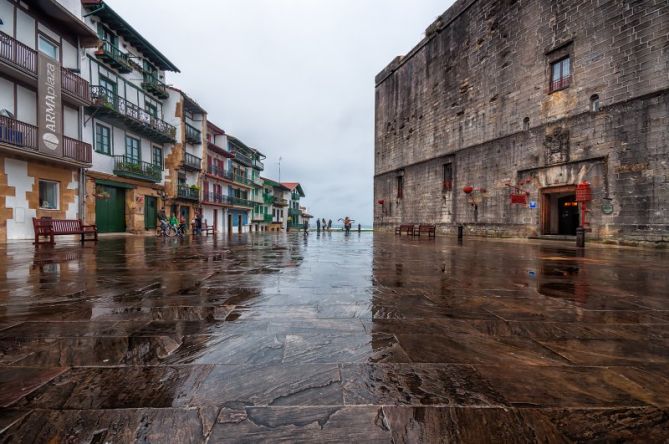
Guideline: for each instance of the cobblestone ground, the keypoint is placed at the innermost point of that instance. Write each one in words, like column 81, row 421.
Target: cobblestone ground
column 332, row 339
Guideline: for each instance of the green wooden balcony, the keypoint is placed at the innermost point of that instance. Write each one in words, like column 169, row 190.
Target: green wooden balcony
column 109, row 106
column 240, row 157
column 242, row 180
column 258, row 165
column 193, row 135
column 267, row 198
column 125, row 166
column 114, row 57
column 188, row 193
column 152, row 85
column 239, row 202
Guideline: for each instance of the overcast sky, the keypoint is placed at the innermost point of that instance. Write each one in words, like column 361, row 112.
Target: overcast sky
column 293, row 78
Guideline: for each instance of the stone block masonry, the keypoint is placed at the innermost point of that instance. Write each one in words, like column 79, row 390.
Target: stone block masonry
column 477, row 103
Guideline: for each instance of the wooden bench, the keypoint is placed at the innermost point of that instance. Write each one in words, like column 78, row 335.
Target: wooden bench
column 431, row 230
column 206, row 229
column 407, row 228
column 46, row 228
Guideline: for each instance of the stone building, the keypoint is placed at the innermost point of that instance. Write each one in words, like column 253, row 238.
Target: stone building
column 518, row 103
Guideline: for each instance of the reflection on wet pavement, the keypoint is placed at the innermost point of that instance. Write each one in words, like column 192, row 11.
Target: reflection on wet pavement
column 367, row 338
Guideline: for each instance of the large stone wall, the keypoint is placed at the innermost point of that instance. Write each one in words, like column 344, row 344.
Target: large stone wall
column 475, row 93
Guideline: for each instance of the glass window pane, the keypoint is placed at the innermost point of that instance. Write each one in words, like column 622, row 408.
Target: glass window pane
column 47, row 47
column 556, row 71
column 566, row 68
column 48, row 195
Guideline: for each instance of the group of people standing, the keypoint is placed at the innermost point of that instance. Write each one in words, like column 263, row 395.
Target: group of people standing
column 180, row 224
column 326, row 225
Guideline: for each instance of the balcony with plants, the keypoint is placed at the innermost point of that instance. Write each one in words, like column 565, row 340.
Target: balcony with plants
column 113, row 57
column 188, row 192
column 126, row 166
column 153, row 85
column 109, row 106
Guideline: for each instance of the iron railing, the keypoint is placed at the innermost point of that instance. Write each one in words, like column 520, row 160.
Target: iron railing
column 186, row 192
column 20, row 134
column 77, row 150
column 105, row 98
column 192, row 161
column 242, row 202
column 560, row 83
column 129, row 167
column 17, row 54
column 193, row 135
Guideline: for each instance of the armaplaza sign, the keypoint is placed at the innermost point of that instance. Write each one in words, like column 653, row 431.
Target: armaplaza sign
column 49, row 108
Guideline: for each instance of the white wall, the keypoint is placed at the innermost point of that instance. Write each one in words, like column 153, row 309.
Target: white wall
column 74, row 6
column 21, row 225
column 7, row 16
column 7, row 95
column 26, row 105
column 25, row 29
column 70, row 55
column 71, row 122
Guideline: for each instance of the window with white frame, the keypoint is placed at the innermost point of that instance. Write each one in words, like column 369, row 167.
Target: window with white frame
column 47, row 47
column 48, row 194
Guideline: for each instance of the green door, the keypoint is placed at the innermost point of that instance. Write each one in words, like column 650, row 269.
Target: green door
column 150, row 212
column 110, row 209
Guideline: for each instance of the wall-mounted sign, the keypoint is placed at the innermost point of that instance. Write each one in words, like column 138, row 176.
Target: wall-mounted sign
column 49, row 107
column 533, row 204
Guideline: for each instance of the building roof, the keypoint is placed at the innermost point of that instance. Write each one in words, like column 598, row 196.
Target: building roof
column 215, row 129
column 292, row 186
column 274, row 183
column 190, row 104
column 102, row 10
column 72, row 23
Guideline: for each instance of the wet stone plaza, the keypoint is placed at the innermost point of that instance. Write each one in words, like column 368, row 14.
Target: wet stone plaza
column 365, row 338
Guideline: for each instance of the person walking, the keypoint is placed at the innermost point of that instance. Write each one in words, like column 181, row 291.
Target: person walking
column 318, row 225
column 198, row 222
column 306, row 227
column 329, row 224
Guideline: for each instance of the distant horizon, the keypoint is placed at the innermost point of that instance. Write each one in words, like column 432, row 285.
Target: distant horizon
column 295, row 88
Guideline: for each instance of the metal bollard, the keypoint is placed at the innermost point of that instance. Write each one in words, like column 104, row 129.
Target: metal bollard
column 580, row 237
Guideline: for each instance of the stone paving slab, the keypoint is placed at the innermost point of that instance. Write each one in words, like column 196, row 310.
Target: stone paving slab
column 367, row 338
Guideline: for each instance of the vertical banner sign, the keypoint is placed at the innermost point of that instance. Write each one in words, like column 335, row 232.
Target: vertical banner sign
column 49, row 108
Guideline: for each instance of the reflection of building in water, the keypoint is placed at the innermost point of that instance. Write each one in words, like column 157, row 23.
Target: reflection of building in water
column 478, row 104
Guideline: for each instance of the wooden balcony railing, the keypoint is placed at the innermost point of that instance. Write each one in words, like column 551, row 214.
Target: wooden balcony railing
column 75, row 85
column 192, row 162
column 241, row 157
column 110, row 54
column 193, row 135
column 77, row 150
column 17, row 54
column 154, row 86
column 20, row 134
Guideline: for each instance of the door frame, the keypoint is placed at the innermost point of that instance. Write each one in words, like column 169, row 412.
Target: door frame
column 545, row 222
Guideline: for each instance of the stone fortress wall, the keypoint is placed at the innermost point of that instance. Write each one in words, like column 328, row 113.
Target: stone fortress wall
column 476, row 93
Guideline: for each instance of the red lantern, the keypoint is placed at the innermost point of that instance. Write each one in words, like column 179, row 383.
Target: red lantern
column 468, row 189
column 381, row 202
